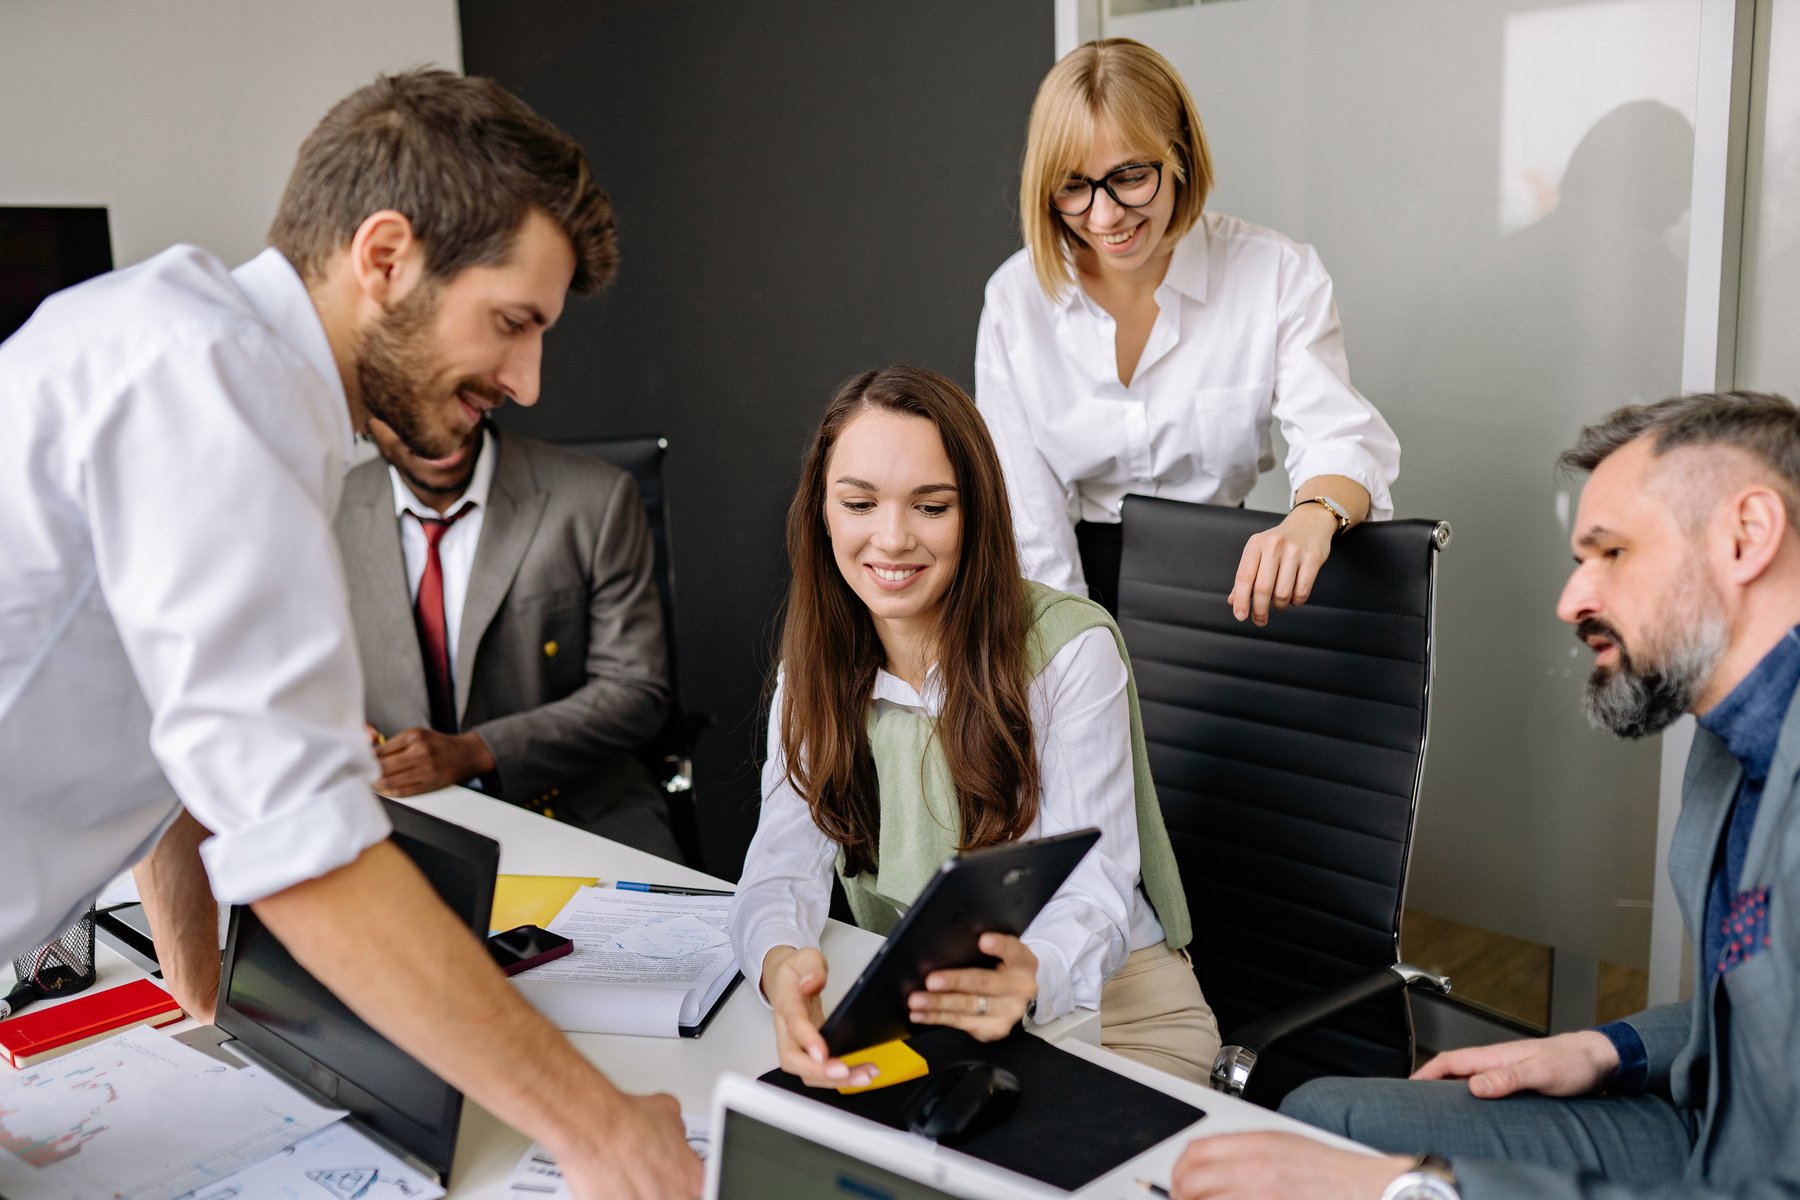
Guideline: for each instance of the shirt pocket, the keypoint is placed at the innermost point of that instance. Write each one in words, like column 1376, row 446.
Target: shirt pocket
column 1224, row 432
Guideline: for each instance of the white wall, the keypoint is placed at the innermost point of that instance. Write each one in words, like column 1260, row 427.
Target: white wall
column 182, row 116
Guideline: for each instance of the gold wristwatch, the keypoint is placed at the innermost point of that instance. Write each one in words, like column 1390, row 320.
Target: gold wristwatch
column 1331, row 506
column 1429, row 1178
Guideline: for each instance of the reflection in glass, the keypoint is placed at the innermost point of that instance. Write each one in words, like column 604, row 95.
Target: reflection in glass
column 1498, row 189
column 1769, row 312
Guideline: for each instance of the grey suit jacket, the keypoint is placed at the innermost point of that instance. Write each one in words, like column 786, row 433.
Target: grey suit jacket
column 1730, row 1057
column 560, row 660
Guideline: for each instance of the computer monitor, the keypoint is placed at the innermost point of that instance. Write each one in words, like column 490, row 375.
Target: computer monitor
column 287, row 1019
column 768, row 1142
column 44, row 250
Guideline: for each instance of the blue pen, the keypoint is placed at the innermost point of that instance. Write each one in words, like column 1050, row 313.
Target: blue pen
column 669, row 889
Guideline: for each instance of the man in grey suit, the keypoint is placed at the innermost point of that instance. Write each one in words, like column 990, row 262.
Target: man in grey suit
column 1687, row 590
column 551, row 664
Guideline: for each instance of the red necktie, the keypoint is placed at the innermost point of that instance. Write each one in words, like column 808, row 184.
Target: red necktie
column 428, row 616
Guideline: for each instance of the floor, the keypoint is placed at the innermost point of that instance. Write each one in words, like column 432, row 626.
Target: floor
column 1507, row 975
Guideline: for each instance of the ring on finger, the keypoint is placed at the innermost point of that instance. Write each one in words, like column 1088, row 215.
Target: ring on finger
column 981, row 1006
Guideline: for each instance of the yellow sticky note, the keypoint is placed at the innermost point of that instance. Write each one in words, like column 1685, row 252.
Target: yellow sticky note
column 896, row 1061
column 532, row 899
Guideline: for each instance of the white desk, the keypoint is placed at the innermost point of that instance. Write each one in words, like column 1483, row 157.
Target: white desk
column 740, row 1037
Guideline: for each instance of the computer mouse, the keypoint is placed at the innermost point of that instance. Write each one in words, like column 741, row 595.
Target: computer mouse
column 960, row 1100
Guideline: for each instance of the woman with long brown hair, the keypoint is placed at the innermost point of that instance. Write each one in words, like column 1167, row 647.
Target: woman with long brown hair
column 931, row 701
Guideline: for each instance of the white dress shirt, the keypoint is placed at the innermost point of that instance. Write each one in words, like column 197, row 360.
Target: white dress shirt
column 173, row 620
column 1081, row 724
column 456, row 549
column 1245, row 330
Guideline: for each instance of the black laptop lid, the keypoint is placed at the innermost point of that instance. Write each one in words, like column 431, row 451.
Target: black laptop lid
column 289, row 1019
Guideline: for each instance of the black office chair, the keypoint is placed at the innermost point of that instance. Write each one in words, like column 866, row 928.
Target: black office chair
column 670, row 754
column 1287, row 760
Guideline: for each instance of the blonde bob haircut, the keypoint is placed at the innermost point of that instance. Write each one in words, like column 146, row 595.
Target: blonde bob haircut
column 1136, row 91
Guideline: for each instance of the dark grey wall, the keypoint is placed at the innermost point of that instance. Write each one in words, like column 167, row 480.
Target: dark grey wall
column 805, row 188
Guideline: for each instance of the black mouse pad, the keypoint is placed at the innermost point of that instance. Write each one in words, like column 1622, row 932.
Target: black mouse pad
column 1075, row 1121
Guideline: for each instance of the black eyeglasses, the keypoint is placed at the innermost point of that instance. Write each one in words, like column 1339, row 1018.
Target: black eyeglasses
column 1131, row 186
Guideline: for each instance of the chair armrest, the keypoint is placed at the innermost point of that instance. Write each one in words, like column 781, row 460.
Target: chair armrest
column 673, row 750
column 1237, row 1057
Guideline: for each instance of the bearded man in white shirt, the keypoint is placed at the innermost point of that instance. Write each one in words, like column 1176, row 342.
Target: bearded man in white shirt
column 178, row 678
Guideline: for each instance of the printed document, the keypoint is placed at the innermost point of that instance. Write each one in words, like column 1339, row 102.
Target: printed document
column 643, row 963
column 339, row 1162
column 140, row 1116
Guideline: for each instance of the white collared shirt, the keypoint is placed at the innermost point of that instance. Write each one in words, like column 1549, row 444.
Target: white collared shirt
column 1246, row 331
column 1081, row 723
column 173, row 620
column 456, row 549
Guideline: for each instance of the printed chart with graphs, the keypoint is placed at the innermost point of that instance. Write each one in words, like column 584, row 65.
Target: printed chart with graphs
column 141, row 1117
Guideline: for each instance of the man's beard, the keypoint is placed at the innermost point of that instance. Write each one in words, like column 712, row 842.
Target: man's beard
column 1636, row 699
column 396, row 370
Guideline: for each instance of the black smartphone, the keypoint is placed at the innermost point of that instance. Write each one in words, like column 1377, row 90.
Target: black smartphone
column 526, row 947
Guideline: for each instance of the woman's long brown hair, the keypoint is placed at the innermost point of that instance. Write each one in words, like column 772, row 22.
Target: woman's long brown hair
column 830, row 651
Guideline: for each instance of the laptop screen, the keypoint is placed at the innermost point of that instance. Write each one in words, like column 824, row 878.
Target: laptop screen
column 758, row 1160
column 289, row 1019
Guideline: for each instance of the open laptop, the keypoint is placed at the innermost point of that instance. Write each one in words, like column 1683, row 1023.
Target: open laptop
column 274, row 1013
column 767, row 1142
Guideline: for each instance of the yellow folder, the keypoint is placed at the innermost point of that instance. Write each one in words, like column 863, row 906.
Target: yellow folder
column 532, row 899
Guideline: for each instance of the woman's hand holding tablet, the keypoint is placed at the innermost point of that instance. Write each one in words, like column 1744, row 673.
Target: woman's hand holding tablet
column 792, row 980
column 985, row 1003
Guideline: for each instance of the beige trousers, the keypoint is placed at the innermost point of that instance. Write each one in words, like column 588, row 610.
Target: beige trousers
column 1152, row 1012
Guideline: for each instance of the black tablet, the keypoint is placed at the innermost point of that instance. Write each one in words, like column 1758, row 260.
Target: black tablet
column 997, row 890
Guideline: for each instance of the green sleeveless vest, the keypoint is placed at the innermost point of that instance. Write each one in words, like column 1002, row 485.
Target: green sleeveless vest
column 920, row 825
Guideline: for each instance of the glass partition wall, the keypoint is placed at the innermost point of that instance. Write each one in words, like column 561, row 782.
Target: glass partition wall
column 1501, row 192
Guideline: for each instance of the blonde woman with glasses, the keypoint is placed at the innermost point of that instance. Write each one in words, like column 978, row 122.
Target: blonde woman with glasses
column 1139, row 344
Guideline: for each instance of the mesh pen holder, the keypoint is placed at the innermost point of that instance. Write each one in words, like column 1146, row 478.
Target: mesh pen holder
column 59, row 967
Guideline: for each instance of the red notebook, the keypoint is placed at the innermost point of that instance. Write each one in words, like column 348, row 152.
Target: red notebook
column 33, row 1036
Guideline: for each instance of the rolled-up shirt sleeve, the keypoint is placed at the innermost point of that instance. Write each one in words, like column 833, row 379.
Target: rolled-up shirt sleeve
column 784, row 893
column 228, row 596
column 1330, row 428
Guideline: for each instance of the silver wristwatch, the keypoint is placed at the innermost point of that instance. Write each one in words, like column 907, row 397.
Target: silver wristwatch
column 1429, row 1178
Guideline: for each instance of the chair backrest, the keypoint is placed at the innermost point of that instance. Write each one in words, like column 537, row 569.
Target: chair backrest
column 670, row 754
column 1287, row 760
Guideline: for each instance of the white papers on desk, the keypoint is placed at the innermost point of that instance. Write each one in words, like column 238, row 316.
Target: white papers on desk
column 537, row 1177
column 141, row 1117
column 604, row 987
column 675, row 937
column 338, row 1161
